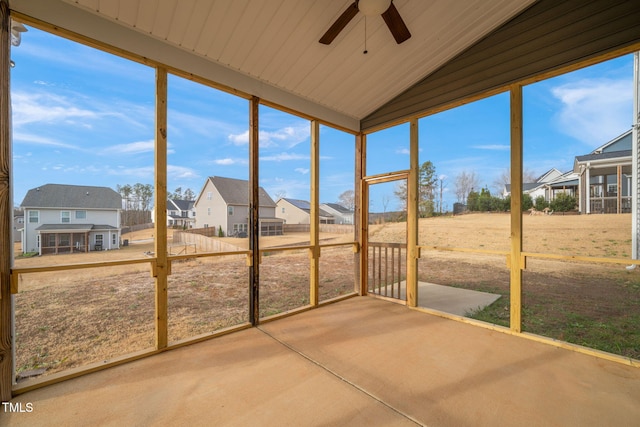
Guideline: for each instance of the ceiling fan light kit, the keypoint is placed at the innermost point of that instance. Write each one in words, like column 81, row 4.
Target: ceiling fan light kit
column 385, row 8
column 373, row 7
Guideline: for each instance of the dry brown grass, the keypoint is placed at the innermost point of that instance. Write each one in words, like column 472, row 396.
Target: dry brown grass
column 70, row 318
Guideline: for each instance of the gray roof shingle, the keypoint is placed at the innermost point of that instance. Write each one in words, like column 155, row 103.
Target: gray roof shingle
column 72, row 196
column 236, row 192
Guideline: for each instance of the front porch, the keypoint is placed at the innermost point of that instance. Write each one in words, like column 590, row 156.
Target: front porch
column 356, row 362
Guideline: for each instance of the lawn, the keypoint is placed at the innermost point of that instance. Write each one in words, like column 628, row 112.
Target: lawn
column 66, row 319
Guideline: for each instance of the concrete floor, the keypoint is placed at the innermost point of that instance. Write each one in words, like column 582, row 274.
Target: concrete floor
column 362, row 361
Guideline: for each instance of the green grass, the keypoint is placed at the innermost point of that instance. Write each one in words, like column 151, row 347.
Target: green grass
column 615, row 334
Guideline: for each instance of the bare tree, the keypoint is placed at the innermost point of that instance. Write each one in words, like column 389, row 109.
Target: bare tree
column 504, row 179
column 464, row 183
column 441, row 179
column 348, row 199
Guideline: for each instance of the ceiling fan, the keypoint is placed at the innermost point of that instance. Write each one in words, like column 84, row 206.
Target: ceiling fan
column 385, row 8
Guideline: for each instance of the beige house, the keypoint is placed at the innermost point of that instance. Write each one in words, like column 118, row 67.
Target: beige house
column 295, row 211
column 224, row 203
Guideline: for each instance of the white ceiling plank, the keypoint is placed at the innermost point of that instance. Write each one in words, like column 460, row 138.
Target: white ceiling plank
column 273, row 44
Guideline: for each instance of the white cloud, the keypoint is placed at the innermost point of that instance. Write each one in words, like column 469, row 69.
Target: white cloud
column 224, row 162
column 131, row 148
column 498, row 147
column 288, row 136
column 27, row 138
column 284, row 157
column 594, row 110
column 403, row 151
column 239, row 138
column 181, row 172
column 46, row 107
column 303, row 171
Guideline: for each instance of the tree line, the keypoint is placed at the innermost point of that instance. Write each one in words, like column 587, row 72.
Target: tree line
column 431, row 187
column 137, row 201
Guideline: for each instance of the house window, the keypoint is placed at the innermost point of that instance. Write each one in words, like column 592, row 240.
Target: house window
column 65, row 216
column 283, row 210
column 81, row 214
column 208, row 211
column 34, row 217
column 113, row 239
column 237, row 228
column 99, row 238
column 230, row 210
column 209, row 195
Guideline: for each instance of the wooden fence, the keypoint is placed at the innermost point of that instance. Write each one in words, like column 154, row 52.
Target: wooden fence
column 324, row 228
column 387, row 267
column 204, row 243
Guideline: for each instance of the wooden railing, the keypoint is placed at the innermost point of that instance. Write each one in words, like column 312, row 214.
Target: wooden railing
column 610, row 205
column 387, row 269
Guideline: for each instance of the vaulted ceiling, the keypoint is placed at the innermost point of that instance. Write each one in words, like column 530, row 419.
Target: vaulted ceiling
column 270, row 48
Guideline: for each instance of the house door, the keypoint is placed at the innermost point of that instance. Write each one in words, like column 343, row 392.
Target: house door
column 385, row 242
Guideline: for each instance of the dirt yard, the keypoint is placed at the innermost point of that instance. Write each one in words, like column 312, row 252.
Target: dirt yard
column 66, row 319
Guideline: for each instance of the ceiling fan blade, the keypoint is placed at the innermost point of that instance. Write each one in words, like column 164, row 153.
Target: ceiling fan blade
column 340, row 23
column 396, row 25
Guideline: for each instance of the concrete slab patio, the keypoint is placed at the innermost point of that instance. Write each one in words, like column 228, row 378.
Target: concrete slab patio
column 447, row 299
column 362, row 361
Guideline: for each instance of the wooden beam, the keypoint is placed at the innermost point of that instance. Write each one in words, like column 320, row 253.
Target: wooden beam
column 357, row 220
column 6, row 211
column 161, row 264
column 315, row 214
column 362, row 213
column 516, row 208
column 412, row 217
column 254, row 209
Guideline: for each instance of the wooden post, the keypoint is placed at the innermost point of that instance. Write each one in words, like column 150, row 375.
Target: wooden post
column 361, row 214
column 412, row 217
column 254, row 209
column 516, row 208
column 6, row 212
column 161, row 261
column 619, row 192
column 315, row 214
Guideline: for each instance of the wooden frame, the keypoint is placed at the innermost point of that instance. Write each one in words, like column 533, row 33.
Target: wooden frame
column 162, row 262
column 6, row 214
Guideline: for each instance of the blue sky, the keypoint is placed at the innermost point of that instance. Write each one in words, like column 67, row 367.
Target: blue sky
column 81, row 116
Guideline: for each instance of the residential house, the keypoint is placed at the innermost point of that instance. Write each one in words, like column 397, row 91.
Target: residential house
column 340, row 214
column 18, row 225
column 295, row 211
column 71, row 218
column 607, row 170
column 224, row 202
column 181, row 213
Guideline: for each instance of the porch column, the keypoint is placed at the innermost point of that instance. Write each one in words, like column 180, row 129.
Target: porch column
column 412, row 217
column 315, row 214
column 619, row 186
column 587, row 192
column 162, row 267
column 516, row 209
column 254, row 218
column 360, row 215
column 6, row 211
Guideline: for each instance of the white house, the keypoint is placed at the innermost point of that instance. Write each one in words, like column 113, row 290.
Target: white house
column 607, row 170
column 71, row 218
column 181, row 213
column 340, row 214
column 224, row 202
column 295, row 211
